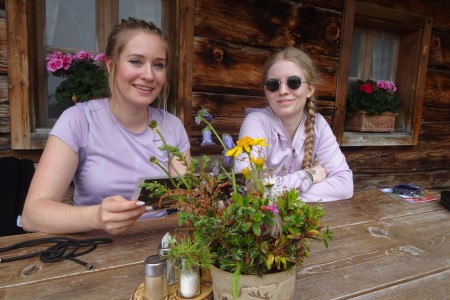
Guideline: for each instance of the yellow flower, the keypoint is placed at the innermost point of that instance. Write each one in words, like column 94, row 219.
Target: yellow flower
column 245, row 144
column 259, row 162
column 246, row 172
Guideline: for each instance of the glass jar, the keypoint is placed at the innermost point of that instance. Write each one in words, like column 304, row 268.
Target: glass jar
column 171, row 267
column 188, row 281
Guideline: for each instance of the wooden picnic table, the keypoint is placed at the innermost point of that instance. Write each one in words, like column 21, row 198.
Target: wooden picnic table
column 383, row 248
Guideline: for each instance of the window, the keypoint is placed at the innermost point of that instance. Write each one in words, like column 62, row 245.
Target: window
column 373, row 55
column 383, row 44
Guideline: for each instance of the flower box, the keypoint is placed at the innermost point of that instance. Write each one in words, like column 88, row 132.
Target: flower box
column 362, row 121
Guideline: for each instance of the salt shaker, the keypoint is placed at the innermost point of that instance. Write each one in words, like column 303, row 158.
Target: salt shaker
column 155, row 286
column 189, row 283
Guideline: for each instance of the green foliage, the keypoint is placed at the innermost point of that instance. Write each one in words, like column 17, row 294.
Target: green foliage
column 374, row 97
column 258, row 230
column 193, row 253
column 84, row 80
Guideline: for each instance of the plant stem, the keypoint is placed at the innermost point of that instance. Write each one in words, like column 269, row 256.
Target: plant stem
column 233, row 177
column 171, row 164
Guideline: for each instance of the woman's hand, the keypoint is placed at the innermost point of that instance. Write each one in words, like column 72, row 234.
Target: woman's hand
column 116, row 214
column 318, row 173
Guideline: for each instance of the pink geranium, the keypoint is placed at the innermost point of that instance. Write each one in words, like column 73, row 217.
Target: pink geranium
column 84, row 78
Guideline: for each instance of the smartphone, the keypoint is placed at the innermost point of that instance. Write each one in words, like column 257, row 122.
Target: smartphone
column 407, row 190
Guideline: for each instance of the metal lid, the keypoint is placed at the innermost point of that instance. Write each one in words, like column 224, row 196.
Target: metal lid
column 154, row 266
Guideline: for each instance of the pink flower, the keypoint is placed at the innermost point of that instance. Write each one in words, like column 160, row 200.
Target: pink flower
column 67, row 61
column 386, row 85
column 82, row 55
column 99, row 57
column 273, row 208
column 54, row 64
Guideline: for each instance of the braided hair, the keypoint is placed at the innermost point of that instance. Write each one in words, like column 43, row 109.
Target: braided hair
column 309, row 70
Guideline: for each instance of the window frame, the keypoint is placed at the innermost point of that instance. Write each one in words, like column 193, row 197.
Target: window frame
column 415, row 35
column 176, row 23
column 107, row 12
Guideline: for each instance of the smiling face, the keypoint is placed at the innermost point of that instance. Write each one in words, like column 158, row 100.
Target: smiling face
column 141, row 70
column 285, row 102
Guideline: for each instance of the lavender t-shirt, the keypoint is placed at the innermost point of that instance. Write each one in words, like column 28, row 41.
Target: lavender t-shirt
column 111, row 158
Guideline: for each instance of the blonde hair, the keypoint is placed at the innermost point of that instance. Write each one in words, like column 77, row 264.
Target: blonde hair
column 305, row 63
column 119, row 36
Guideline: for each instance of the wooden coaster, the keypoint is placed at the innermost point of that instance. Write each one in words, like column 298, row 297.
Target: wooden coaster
column 205, row 293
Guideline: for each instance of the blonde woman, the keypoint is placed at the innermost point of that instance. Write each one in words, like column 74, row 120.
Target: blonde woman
column 104, row 146
column 303, row 152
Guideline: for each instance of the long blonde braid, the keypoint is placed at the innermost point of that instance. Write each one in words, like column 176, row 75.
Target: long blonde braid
column 310, row 135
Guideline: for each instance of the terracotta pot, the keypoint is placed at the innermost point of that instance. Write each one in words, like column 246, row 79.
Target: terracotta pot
column 361, row 121
column 271, row 286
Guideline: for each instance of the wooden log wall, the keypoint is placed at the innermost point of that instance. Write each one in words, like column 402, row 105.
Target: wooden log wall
column 233, row 38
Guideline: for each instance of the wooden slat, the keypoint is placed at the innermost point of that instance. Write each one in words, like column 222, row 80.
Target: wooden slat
column 184, row 49
column 19, row 85
column 433, row 179
column 4, row 90
column 373, row 205
column 90, row 285
column 439, row 51
column 5, row 146
column 5, row 126
column 385, row 254
column 143, row 239
column 420, row 288
column 3, row 47
column 271, row 24
column 420, row 158
column 431, row 114
column 437, row 89
column 343, row 70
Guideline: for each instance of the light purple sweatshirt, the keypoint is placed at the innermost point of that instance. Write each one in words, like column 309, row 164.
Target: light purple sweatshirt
column 112, row 158
column 285, row 157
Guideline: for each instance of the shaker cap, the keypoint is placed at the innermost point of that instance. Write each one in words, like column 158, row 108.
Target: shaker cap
column 154, row 266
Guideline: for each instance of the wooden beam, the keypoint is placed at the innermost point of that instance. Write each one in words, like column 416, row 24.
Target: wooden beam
column 185, row 48
column 17, row 12
column 343, row 69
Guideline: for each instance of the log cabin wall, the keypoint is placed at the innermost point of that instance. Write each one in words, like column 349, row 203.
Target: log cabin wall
column 232, row 39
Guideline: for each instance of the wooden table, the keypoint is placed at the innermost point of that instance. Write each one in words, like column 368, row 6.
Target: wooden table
column 383, row 248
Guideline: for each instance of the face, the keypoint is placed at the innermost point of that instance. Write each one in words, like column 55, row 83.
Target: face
column 141, row 70
column 286, row 102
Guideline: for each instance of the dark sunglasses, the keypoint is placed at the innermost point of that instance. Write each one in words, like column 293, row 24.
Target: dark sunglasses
column 293, row 82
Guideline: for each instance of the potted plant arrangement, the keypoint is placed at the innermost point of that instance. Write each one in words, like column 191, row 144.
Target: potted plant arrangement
column 372, row 106
column 256, row 235
column 84, row 78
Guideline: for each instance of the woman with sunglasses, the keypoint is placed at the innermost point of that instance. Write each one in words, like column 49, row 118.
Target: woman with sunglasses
column 302, row 151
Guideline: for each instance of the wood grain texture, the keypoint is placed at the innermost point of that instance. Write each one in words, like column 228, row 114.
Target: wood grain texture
column 19, row 82
column 3, row 47
column 382, row 248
